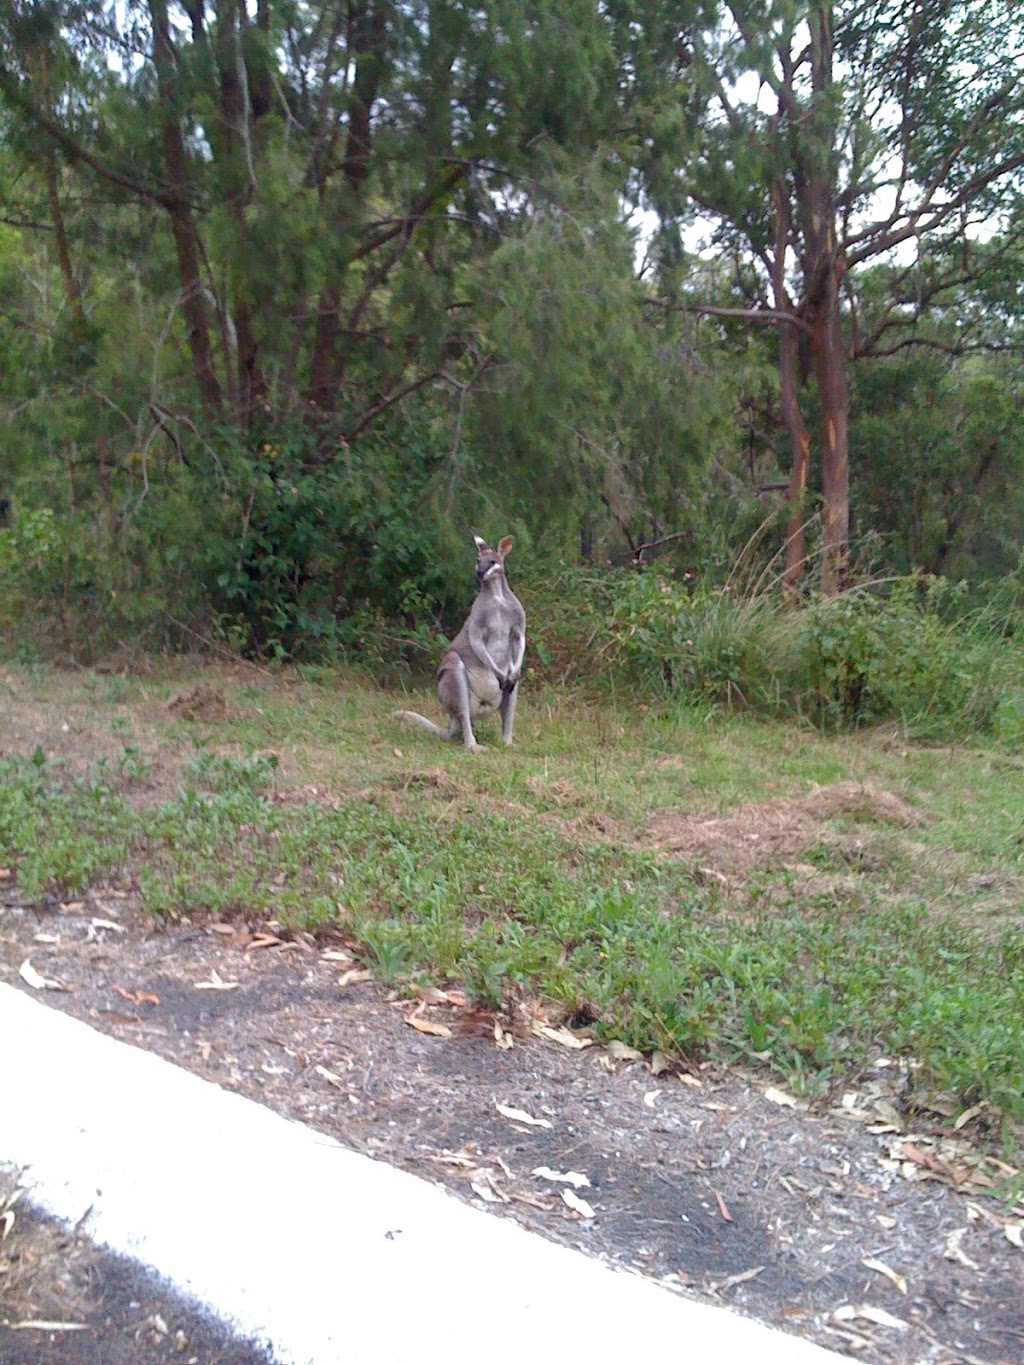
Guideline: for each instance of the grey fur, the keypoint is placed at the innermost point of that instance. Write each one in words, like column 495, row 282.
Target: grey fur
column 480, row 672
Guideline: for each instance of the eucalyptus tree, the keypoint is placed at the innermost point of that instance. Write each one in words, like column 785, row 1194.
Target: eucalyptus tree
column 817, row 137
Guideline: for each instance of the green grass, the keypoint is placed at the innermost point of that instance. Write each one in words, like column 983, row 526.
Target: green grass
column 526, row 871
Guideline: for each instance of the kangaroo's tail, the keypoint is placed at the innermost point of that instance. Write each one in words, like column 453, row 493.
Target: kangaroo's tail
column 423, row 723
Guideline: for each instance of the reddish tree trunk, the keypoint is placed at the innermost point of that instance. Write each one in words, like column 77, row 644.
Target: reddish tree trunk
column 789, row 397
column 829, row 354
column 800, row 447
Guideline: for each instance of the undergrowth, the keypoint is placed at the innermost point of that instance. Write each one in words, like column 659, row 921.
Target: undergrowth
column 908, row 650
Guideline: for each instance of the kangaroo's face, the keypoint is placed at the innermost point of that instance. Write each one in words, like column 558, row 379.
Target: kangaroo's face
column 490, row 562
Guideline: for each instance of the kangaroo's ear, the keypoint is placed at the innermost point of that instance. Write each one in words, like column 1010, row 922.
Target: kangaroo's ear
column 504, row 545
column 480, row 544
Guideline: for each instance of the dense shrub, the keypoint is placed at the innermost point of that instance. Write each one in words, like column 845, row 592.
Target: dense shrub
column 276, row 548
column 909, row 650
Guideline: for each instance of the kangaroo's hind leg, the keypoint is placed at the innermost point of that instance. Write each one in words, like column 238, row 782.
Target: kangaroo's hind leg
column 508, row 713
column 453, row 689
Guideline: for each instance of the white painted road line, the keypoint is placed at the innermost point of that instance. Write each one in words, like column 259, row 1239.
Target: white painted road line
column 317, row 1251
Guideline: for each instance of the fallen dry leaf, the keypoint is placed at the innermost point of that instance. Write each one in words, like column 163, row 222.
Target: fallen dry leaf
column 969, row 1114
column 651, row 1098
column 730, row 1281
column 216, row 983
column 136, row 997
column 868, row 1312
column 521, row 1116
column 428, row 1026
column 576, row 1179
column 46, row 938
column 954, row 1251
column 870, row 1263
column 108, row 924
column 1014, row 1233
column 486, row 1192
column 781, row 1097
column 659, row 1064
column 32, row 978
column 335, row 955
column 263, row 941
column 330, row 1077
column 502, row 1038
column 723, row 1207
column 353, row 977
column 222, row 928
column 577, row 1204
column 622, row 1052
column 562, row 1036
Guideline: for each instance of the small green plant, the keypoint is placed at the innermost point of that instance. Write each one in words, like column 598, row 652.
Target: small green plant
column 251, row 774
column 133, row 764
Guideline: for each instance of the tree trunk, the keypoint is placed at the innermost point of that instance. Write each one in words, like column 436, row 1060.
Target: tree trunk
column 829, row 355
column 369, row 30
column 233, row 143
column 800, row 448
column 71, row 286
column 179, row 208
column 789, row 397
column 822, row 274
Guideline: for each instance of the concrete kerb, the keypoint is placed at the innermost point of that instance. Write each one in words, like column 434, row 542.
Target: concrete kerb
column 311, row 1249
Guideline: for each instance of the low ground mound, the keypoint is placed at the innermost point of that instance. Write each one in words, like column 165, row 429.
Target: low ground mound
column 774, row 833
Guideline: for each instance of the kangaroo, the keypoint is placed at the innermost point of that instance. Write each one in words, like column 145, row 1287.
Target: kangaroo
column 480, row 673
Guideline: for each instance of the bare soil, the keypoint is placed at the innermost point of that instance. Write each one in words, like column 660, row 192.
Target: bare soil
column 839, row 1225
column 65, row 1302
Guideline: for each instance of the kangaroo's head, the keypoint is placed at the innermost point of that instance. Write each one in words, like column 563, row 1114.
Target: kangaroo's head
column 490, row 563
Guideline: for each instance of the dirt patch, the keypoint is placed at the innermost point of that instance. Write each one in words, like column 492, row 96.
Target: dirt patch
column 204, row 702
column 109, row 1309
column 702, row 1180
column 774, row 833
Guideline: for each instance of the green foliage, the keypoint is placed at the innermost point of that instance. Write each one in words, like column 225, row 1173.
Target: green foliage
column 332, row 552
column 908, row 650
column 588, row 404
column 907, row 655
column 280, row 550
column 938, row 456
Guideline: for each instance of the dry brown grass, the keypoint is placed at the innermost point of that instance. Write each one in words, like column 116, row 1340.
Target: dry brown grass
column 773, row 833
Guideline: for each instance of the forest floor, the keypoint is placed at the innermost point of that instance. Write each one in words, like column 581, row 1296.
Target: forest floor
column 732, row 1004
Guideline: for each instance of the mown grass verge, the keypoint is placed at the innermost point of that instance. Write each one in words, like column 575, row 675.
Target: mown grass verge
column 527, row 873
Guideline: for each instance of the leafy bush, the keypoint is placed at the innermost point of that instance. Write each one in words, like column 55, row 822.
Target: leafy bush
column 907, row 654
column 276, row 547
column 908, row 650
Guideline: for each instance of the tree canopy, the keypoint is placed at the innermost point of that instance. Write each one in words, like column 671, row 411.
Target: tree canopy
column 611, row 272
